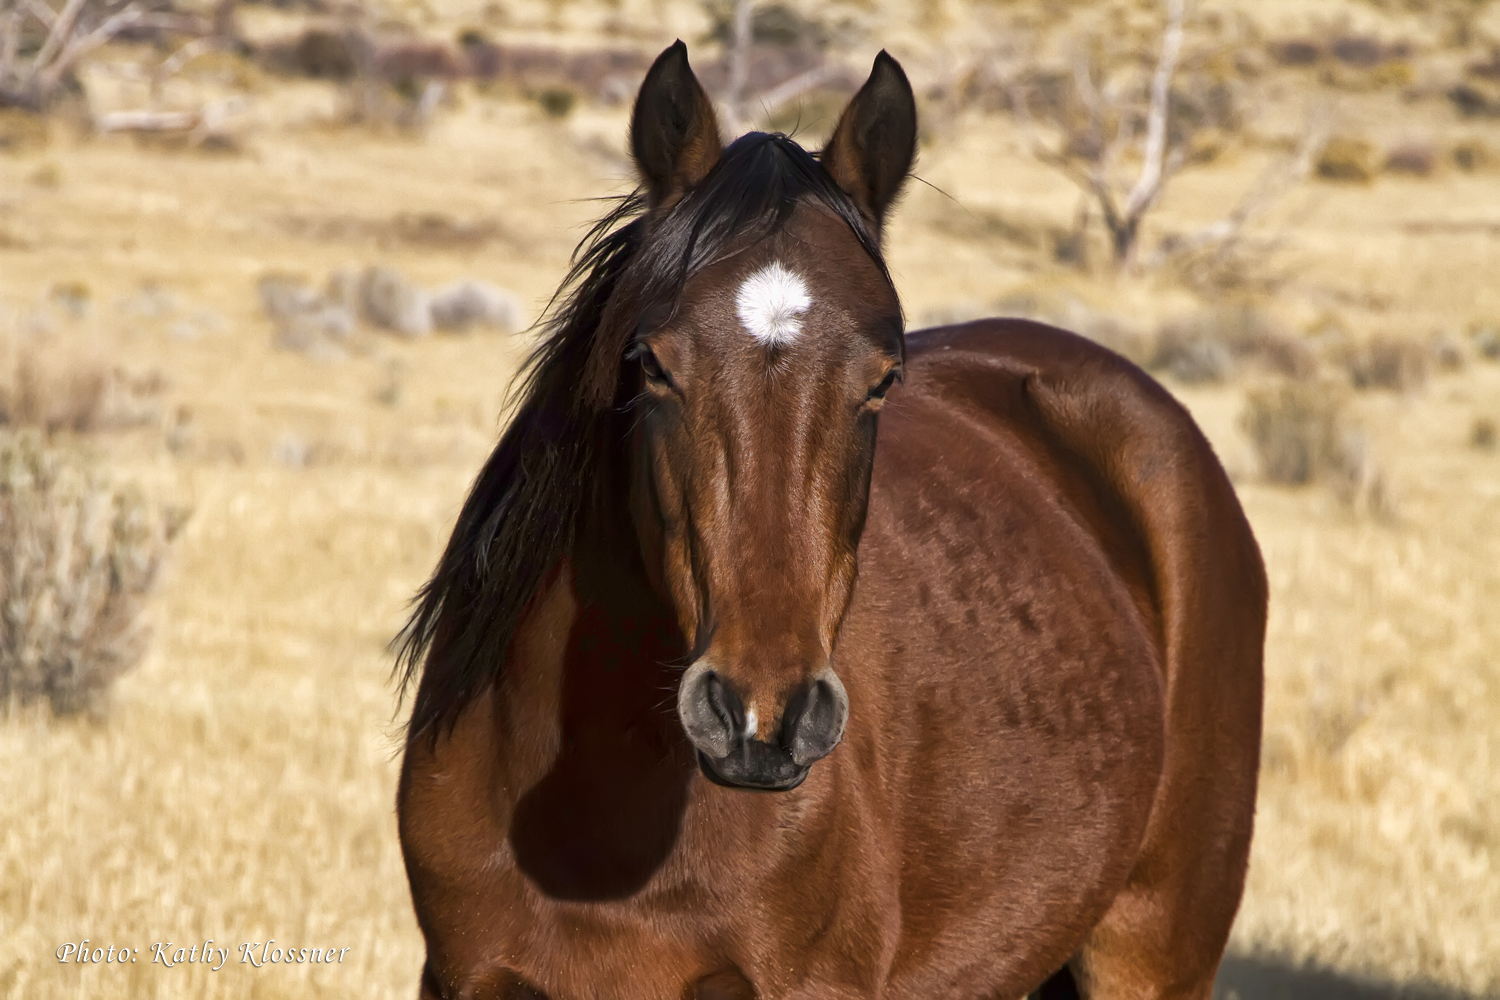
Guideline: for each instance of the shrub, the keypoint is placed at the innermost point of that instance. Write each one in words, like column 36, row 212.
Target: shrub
column 557, row 101
column 1191, row 357
column 1482, row 435
column 1295, row 428
column 78, row 555
column 318, row 53
column 1471, row 155
column 1363, row 51
column 1296, row 51
column 1210, row 346
column 1301, row 435
column 1389, row 363
column 55, row 397
column 1486, row 337
column 1487, row 68
column 770, row 24
column 1473, row 101
column 1347, row 160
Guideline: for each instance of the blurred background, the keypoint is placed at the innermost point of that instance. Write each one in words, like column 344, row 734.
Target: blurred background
column 266, row 269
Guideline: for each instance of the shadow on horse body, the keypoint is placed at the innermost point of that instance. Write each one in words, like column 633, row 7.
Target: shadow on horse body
column 725, row 695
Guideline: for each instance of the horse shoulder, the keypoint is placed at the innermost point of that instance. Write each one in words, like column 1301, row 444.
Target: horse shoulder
column 1143, row 451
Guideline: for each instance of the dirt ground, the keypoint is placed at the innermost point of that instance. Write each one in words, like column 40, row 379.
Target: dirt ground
column 241, row 785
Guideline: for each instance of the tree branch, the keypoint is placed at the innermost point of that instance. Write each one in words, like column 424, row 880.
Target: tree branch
column 1091, row 181
column 147, row 121
column 1272, row 183
column 204, row 123
column 10, row 32
column 1148, row 185
column 49, row 76
column 174, row 63
column 41, row 12
column 769, row 101
column 739, row 63
column 61, row 28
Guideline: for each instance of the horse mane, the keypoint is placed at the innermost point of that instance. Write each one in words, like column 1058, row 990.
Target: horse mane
column 521, row 514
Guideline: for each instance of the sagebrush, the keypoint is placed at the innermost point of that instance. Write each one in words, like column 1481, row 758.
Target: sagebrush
column 1302, row 433
column 78, row 556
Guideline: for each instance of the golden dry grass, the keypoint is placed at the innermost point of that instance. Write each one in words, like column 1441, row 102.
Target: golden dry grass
column 242, row 785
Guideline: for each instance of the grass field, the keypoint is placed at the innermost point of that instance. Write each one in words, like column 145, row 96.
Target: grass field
column 241, row 786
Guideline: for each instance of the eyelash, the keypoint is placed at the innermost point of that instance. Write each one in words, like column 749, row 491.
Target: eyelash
column 891, row 378
column 650, row 365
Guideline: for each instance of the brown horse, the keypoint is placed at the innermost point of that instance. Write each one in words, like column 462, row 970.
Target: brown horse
column 723, row 695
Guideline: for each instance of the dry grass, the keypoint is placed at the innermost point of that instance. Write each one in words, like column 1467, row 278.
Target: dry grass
column 1378, row 826
column 242, row 786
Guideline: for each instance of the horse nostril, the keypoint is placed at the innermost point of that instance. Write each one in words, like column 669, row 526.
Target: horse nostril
column 724, row 703
column 815, row 719
column 711, row 713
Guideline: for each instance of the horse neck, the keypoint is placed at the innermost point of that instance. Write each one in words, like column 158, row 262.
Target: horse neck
column 624, row 647
column 608, row 556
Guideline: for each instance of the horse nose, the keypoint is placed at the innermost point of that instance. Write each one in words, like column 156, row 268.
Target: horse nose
column 815, row 718
column 718, row 723
column 712, row 713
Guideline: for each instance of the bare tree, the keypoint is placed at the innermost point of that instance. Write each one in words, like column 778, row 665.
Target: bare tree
column 740, row 104
column 1101, row 118
column 739, row 63
column 1089, row 153
column 31, row 82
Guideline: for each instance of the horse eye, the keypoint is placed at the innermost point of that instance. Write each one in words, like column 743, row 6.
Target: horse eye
column 885, row 384
column 650, row 366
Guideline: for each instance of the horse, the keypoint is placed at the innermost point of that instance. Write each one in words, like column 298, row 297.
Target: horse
column 781, row 653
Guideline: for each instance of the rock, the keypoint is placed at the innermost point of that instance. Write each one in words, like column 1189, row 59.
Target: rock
column 343, row 289
column 470, row 302
column 390, row 301
column 291, row 450
column 306, row 320
column 284, row 295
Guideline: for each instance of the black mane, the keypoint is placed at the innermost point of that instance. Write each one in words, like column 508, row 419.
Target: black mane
column 520, row 516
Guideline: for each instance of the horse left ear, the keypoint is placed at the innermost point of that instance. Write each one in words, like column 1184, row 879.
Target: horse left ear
column 674, row 134
column 872, row 148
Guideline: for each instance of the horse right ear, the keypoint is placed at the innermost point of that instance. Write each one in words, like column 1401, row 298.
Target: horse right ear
column 674, row 134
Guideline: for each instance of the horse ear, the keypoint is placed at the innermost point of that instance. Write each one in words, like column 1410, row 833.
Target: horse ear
column 873, row 146
column 674, row 134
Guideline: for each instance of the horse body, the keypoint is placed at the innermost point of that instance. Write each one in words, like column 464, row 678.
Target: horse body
column 557, row 838
column 1029, row 615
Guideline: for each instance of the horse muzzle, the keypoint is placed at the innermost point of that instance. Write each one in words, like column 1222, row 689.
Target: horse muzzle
column 734, row 750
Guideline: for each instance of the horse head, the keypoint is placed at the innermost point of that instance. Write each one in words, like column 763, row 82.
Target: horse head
column 758, row 392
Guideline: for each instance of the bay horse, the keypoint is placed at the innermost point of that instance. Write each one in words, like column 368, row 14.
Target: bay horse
column 724, row 695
